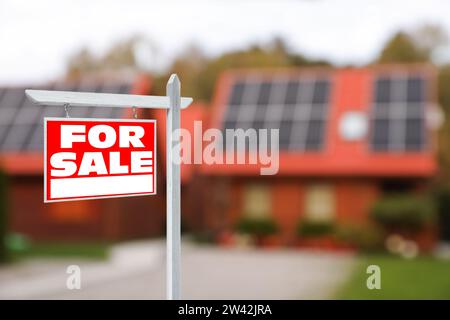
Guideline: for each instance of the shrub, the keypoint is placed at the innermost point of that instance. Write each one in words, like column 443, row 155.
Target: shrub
column 404, row 212
column 443, row 200
column 311, row 229
column 203, row 237
column 3, row 220
column 363, row 237
column 257, row 226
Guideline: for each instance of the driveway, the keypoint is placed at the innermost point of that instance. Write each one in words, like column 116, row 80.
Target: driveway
column 136, row 270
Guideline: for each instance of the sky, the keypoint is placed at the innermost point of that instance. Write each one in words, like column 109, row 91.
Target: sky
column 38, row 37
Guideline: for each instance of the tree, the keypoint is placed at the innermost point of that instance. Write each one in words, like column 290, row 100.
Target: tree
column 188, row 65
column 121, row 57
column 444, row 133
column 199, row 74
column 402, row 48
column 417, row 45
column 429, row 38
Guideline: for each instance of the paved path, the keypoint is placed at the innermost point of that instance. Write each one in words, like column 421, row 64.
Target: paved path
column 137, row 271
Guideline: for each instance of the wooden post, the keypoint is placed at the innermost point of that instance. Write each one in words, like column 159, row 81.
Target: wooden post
column 173, row 226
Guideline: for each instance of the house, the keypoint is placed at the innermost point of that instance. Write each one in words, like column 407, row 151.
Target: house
column 347, row 136
column 21, row 158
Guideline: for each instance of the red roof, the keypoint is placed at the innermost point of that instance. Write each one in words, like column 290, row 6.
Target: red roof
column 351, row 90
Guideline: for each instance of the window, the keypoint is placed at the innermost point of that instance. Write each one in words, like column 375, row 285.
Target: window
column 257, row 201
column 320, row 203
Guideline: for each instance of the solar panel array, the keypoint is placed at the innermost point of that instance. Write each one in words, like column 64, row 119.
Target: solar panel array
column 398, row 113
column 296, row 105
column 21, row 121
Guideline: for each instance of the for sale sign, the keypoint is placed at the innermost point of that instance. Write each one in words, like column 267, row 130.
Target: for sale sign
column 98, row 158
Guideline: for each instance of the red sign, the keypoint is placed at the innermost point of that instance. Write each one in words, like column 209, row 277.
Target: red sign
column 92, row 158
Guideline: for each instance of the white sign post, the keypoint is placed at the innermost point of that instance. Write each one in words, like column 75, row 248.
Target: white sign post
column 173, row 102
column 173, row 224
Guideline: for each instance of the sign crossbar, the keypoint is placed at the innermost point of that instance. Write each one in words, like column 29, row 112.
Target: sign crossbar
column 93, row 99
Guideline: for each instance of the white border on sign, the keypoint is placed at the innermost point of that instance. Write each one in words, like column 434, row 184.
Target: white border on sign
column 100, row 197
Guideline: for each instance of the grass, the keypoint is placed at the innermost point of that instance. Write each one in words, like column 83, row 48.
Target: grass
column 420, row 278
column 87, row 250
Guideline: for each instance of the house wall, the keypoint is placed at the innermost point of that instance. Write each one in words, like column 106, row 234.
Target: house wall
column 352, row 201
column 224, row 200
column 354, row 197
column 108, row 219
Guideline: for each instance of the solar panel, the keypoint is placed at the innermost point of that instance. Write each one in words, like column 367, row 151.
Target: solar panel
column 36, row 139
column 296, row 105
column 16, row 137
column 10, row 99
column 237, row 94
column 398, row 113
column 21, row 122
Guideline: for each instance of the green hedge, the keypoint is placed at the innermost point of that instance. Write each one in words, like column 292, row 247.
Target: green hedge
column 408, row 212
column 311, row 229
column 258, row 227
column 362, row 236
column 442, row 198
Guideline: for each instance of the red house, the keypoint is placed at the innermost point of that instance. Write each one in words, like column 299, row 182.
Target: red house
column 347, row 136
column 21, row 158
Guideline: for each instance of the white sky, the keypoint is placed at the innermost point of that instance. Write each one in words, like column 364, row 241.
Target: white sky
column 38, row 36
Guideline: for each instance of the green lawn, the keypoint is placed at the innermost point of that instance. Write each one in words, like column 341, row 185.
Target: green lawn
column 88, row 250
column 421, row 278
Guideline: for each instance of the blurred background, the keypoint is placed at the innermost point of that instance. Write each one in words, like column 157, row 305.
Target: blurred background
column 359, row 90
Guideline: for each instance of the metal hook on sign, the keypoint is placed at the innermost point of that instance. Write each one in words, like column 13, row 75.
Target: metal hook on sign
column 66, row 108
column 135, row 115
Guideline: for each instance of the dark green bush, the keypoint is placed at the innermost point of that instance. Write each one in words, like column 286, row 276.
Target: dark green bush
column 407, row 212
column 257, row 226
column 443, row 200
column 3, row 220
column 312, row 229
column 363, row 237
column 203, row 237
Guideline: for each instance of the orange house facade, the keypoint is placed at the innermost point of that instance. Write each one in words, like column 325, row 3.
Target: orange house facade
column 347, row 137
